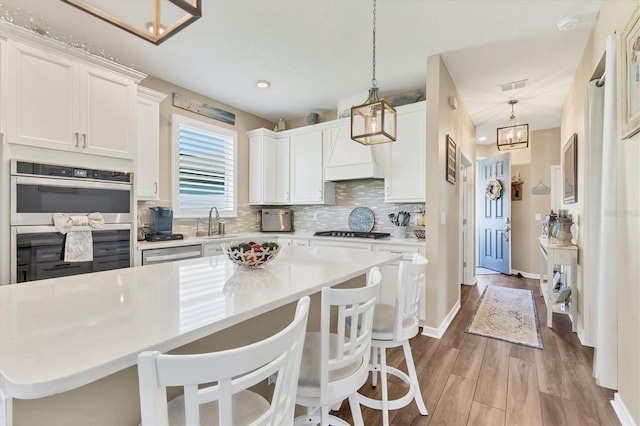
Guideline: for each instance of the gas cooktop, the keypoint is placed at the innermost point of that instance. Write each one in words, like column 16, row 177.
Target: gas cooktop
column 353, row 234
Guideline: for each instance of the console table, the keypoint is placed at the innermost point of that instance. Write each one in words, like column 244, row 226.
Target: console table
column 552, row 254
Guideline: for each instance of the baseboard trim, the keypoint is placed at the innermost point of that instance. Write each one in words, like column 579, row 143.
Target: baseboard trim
column 437, row 333
column 621, row 411
column 525, row 274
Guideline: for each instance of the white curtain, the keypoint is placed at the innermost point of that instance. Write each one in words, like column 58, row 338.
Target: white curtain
column 605, row 368
column 592, row 151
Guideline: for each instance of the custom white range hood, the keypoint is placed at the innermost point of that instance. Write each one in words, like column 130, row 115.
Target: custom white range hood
column 347, row 159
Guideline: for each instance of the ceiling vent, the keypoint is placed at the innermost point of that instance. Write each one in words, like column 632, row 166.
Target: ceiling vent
column 514, row 85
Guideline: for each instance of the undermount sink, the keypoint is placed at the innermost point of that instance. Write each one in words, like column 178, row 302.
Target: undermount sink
column 217, row 236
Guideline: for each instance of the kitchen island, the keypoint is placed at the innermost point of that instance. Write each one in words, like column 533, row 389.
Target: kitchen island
column 69, row 346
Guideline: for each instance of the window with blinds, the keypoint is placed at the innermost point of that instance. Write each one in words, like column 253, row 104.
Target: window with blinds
column 204, row 167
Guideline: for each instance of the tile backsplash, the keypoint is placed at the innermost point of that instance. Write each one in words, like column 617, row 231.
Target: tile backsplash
column 349, row 194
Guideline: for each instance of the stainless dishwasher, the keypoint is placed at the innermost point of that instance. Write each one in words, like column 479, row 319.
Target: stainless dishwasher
column 170, row 254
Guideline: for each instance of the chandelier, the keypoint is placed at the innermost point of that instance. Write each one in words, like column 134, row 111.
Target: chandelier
column 514, row 135
column 152, row 20
column 374, row 121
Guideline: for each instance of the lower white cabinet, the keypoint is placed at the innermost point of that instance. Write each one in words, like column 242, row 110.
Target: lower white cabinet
column 147, row 176
column 342, row 244
column 212, row 249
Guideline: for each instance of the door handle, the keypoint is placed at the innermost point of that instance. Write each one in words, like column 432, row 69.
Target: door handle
column 75, row 135
column 84, row 140
column 507, row 229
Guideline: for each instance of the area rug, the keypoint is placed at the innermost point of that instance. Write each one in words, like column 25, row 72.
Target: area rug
column 507, row 314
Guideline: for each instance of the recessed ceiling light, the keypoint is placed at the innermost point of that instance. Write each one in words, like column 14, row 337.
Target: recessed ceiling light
column 482, row 138
column 567, row 23
column 263, row 84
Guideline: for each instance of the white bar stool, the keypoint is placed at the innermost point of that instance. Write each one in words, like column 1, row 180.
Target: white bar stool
column 225, row 399
column 335, row 363
column 393, row 326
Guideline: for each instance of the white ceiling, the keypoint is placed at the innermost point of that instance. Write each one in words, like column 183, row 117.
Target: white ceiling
column 316, row 51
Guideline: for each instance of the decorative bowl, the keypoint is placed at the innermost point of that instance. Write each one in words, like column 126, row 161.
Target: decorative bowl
column 419, row 233
column 250, row 253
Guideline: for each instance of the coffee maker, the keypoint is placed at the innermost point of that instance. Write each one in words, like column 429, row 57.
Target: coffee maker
column 161, row 228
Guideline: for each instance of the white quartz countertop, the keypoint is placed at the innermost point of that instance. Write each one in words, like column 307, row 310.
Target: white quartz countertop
column 62, row 333
column 147, row 245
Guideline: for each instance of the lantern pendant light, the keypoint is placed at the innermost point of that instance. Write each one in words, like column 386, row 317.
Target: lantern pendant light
column 514, row 135
column 374, row 121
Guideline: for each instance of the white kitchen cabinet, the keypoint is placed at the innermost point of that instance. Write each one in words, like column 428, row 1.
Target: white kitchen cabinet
column 55, row 101
column 299, row 242
column 306, row 166
column 390, row 273
column 147, row 177
column 405, row 159
column 212, row 249
column 268, row 168
column 342, row 244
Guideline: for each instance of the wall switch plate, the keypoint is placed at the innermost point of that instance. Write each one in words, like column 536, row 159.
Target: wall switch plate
column 443, row 218
column 258, row 216
column 313, row 215
column 538, row 217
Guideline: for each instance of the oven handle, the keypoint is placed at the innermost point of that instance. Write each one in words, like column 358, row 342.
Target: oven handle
column 70, row 183
column 48, row 228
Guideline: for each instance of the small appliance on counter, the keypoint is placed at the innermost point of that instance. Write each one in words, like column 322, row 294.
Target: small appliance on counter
column 277, row 220
column 161, row 228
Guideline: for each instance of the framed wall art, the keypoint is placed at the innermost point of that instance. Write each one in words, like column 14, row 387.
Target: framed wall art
column 630, row 76
column 570, row 170
column 451, row 160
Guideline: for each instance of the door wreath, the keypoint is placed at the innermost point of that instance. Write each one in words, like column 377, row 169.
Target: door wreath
column 493, row 189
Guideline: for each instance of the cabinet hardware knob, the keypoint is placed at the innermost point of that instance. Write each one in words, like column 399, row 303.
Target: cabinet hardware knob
column 155, row 187
column 75, row 135
column 84, row 140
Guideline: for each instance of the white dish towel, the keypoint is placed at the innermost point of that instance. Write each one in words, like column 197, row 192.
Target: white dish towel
column 78, row 246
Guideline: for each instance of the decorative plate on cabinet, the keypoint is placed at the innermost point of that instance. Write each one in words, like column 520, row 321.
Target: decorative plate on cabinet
column 361, row 219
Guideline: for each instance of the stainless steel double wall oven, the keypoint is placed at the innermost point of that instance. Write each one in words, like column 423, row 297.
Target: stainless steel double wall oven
column 40, row 190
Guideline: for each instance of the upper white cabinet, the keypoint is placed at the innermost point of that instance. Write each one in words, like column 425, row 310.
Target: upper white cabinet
column 405, row 159
column 268, row 168
column 61, row 99
column 147, row 176
column 307, row 181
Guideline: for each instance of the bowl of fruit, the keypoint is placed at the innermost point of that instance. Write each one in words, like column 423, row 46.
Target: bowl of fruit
column 250, row 253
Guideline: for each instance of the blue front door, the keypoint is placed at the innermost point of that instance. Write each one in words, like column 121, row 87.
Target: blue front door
column 493, row 217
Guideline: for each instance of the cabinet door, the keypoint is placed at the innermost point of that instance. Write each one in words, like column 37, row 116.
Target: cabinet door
column 406, row 158
column 269, row 169
column 282, row 170
column 256, row 181
column 41, row 98
column 108, row 111
column 306, row 168
column 147, row 145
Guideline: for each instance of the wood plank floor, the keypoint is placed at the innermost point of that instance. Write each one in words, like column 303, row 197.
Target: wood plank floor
column 473, row 380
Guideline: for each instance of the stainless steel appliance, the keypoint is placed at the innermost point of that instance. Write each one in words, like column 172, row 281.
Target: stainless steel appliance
column 277, row 220
column 39, row 190
column 170, row 254
column 352, row 234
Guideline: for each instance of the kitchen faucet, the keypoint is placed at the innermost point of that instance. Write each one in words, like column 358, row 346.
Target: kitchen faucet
column 217, row 218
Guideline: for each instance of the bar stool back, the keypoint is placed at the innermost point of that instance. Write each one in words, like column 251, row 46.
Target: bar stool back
column 225, row 400
column 393, row 326
column 335, row 362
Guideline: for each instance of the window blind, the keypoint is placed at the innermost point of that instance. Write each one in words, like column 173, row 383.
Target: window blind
column 204, row 168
